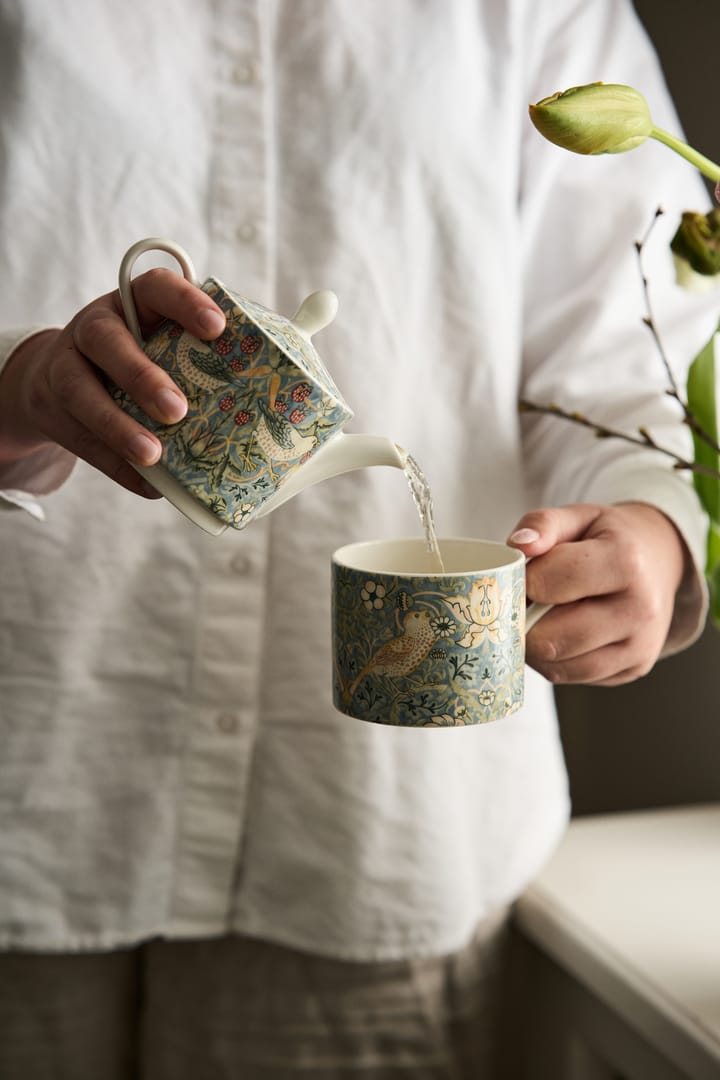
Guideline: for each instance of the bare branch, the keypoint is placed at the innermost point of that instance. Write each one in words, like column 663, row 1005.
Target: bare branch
column 690, row 419
column 643, row 437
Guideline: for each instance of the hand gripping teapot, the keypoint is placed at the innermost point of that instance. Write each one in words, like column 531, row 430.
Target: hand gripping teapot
column 264, row 415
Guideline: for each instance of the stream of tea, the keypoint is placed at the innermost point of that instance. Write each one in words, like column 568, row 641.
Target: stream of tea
column 422, row 497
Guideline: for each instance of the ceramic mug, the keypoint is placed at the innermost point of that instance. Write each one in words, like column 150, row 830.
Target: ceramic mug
column 263, row 414
column 416, row 647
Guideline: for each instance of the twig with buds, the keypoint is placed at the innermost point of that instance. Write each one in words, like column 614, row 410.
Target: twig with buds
column 643, row 436
column 689, row 418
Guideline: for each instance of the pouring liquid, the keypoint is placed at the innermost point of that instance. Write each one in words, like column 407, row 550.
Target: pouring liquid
column 422, row 497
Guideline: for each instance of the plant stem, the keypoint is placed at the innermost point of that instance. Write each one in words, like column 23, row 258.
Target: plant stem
column 643, row 438
column 649, row 320
column 705, row 165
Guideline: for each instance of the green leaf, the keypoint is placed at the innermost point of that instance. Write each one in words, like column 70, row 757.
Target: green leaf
column 701, row 399
column 713, row 571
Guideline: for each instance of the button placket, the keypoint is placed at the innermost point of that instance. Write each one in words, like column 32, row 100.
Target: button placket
column 212, row 811
column 240, row 171
column 227, row 672
column 229, row 641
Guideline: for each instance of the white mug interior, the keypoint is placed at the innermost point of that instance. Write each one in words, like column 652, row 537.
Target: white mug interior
column 411, row 556
column 460, row 555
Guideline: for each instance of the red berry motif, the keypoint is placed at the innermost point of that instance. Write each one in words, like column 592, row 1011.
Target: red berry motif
column 250, row 344
column 306, row 457
column 226, row 402
column 237, row 364
column 223, row 345
column 280, row 405
column 301, row 391
column 242, row 417
column 175, row 330
column 296, row 416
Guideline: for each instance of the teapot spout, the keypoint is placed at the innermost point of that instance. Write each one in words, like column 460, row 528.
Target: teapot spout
column 340, row 454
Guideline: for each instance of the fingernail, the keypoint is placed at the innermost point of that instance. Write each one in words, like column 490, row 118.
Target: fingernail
column 171, row 405
column 143, row 449
column 524, row 536
column 210, row 320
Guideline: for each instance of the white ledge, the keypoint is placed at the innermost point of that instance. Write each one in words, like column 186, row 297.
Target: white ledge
column 630, row 906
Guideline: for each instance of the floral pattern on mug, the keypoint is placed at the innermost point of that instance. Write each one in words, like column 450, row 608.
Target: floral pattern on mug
column 438, row 651
column 481, row 611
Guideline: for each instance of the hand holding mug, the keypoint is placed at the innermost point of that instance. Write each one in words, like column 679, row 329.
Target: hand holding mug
column 612, row 573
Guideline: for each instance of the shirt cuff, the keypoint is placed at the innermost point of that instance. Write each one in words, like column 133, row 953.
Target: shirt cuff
column 662, row 489
column 21, row 500
column 12, row 339
column 39, row 473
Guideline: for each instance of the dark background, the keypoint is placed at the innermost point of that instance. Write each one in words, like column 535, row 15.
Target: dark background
column 656, row 742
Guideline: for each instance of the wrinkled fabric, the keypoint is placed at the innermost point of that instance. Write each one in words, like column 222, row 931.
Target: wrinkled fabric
column 171, row 763
column 236, row 1006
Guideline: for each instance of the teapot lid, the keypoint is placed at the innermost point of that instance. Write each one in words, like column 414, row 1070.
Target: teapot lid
column 293, row 336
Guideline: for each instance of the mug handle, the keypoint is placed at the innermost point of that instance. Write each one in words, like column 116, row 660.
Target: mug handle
column 535, row 612
column 150, row 243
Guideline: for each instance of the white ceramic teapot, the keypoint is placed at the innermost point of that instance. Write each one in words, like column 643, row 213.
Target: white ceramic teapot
column 264, row 415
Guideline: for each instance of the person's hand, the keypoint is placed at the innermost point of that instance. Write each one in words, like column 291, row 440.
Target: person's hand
column 52, row 391
column 613, row 572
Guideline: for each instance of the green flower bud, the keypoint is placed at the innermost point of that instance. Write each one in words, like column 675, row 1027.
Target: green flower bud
column 696, row 249
column 599, row 118
column 608, row 118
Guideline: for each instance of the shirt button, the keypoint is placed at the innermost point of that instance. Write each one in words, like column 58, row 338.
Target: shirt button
column 227, row 723
column 246, row 232
column 246, row 71
column 240, row 564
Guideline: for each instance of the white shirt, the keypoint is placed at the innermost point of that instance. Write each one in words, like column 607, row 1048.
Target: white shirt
column 171, row 763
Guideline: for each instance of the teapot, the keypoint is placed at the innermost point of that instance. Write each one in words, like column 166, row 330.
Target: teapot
column 264, row 415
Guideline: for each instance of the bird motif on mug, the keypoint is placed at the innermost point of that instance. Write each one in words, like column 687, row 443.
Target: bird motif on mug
column 401, row 655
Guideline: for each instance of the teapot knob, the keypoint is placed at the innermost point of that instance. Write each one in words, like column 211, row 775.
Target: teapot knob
column 316, row 311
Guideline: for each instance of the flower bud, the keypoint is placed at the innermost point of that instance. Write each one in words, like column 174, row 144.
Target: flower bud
column 599, row 118
column 696, row 250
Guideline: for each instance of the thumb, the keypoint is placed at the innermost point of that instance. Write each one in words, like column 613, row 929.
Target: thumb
column 540, row 530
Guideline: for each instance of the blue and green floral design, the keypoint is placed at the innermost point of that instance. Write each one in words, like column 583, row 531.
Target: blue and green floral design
column 429, row 652
column 259, row 404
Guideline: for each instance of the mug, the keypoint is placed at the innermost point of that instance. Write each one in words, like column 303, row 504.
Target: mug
column 416, row 647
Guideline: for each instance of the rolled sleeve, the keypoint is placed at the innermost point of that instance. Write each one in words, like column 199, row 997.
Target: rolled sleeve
column 22, row 481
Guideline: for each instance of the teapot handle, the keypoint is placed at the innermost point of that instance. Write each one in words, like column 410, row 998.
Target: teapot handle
column 150, row 243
